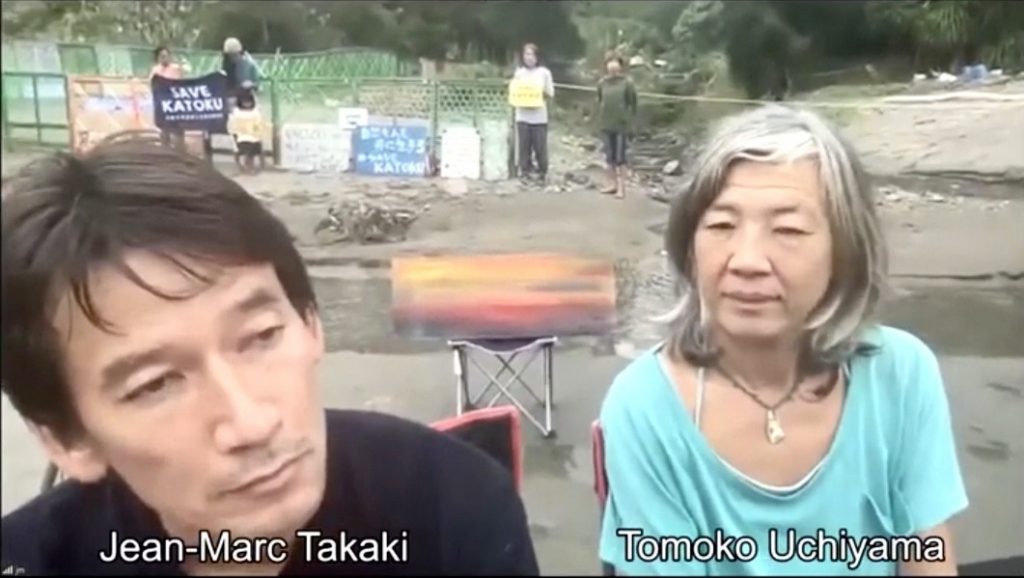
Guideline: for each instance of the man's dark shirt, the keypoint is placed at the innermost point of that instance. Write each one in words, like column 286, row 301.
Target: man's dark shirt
column 459, row 506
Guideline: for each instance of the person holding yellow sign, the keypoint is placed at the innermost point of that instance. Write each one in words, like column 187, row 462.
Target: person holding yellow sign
column 529, row 91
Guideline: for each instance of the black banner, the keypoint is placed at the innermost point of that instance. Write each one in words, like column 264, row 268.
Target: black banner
column 191, row 103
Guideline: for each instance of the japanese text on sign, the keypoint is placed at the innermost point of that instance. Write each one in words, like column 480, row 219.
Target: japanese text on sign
column 392, row 150
column 525, row 93
column 317, row 147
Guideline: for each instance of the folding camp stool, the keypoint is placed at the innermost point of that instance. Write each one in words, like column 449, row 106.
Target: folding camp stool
column 506, row 351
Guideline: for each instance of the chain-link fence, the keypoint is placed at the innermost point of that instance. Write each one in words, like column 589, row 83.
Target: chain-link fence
column 34, row 100
column 439, row 105
column 35, row 109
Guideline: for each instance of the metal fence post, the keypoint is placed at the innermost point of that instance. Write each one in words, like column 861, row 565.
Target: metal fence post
column 435, row 122
column 35, row 107
column 8, row 145
column 275, row 121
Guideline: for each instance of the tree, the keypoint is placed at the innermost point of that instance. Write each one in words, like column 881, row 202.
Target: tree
column 288, row 26
column 151, row 22
column 947, row 33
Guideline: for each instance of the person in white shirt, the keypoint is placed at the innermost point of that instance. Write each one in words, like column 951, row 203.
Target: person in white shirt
column 532, row 122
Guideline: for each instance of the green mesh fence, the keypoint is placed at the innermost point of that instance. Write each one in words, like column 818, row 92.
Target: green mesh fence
column 439, row 105
column 78, row 59
column 303, row 88
column 34, row 109
column 124, row 60
column 35, row 106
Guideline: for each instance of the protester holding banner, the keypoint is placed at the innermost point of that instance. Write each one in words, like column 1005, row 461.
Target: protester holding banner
column 165, row 67
column 617, row 105
column 529, row 92
column 239, row 67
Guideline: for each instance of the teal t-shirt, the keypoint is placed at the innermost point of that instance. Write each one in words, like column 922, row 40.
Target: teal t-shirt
column 891, row 472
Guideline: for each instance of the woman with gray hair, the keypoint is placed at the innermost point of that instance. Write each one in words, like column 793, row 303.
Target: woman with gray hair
column 779, row 429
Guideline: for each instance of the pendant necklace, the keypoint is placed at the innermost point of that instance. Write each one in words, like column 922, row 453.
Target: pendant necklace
column 773, row 427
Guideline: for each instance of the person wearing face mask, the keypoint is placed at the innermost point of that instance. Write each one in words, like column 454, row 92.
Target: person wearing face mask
column 532, row 121
column 779, row 424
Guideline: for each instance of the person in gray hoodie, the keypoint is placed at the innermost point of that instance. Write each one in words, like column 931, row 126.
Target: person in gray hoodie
column 532, row 123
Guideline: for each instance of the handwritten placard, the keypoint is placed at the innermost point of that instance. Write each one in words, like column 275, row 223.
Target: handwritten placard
column 353, row 118
column 392, row 150
column 460, row 153
column 526, row 93
column 324, row 148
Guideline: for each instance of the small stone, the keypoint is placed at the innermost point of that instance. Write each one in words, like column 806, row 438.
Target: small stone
column 577, row 179
column 672, row 168
column 456, row 187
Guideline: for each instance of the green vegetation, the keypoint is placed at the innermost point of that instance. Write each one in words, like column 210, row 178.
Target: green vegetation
column 767, row 48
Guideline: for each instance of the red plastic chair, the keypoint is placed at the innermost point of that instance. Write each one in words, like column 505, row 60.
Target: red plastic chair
column 600, row 479
column 495, row 430
column 600, row 476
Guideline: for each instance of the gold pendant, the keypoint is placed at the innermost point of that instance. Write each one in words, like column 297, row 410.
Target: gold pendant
column 773, row 429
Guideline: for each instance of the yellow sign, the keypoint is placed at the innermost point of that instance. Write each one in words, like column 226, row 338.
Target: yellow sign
column 526, row 93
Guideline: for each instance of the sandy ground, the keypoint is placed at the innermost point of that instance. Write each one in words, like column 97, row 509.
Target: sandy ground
column 974, row 137
column 958, row 281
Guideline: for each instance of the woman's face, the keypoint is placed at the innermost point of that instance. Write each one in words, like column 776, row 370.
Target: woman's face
column 164, row 57
column 763, row 251
column 529, row 57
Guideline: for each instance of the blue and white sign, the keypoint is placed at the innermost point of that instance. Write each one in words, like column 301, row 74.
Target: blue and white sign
column 398, row 151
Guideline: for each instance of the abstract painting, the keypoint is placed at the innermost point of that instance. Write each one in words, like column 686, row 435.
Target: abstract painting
column 513, row 296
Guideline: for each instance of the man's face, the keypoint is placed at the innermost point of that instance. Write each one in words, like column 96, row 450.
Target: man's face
column 206, row 406
column 165, row 57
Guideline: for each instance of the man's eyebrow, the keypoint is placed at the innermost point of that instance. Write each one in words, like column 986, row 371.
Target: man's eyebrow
column 258, row 299
column 118, row 371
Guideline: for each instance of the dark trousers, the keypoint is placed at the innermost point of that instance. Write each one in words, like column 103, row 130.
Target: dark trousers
column 173, row 136
column 533, row 145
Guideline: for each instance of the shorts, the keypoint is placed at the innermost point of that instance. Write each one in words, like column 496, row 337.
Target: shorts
column 615, row 145
column 250, row 149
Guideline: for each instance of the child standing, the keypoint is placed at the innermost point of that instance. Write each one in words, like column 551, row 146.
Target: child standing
column 246, row 126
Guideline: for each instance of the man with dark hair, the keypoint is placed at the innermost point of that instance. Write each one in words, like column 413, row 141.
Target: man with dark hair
column 160, row 335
